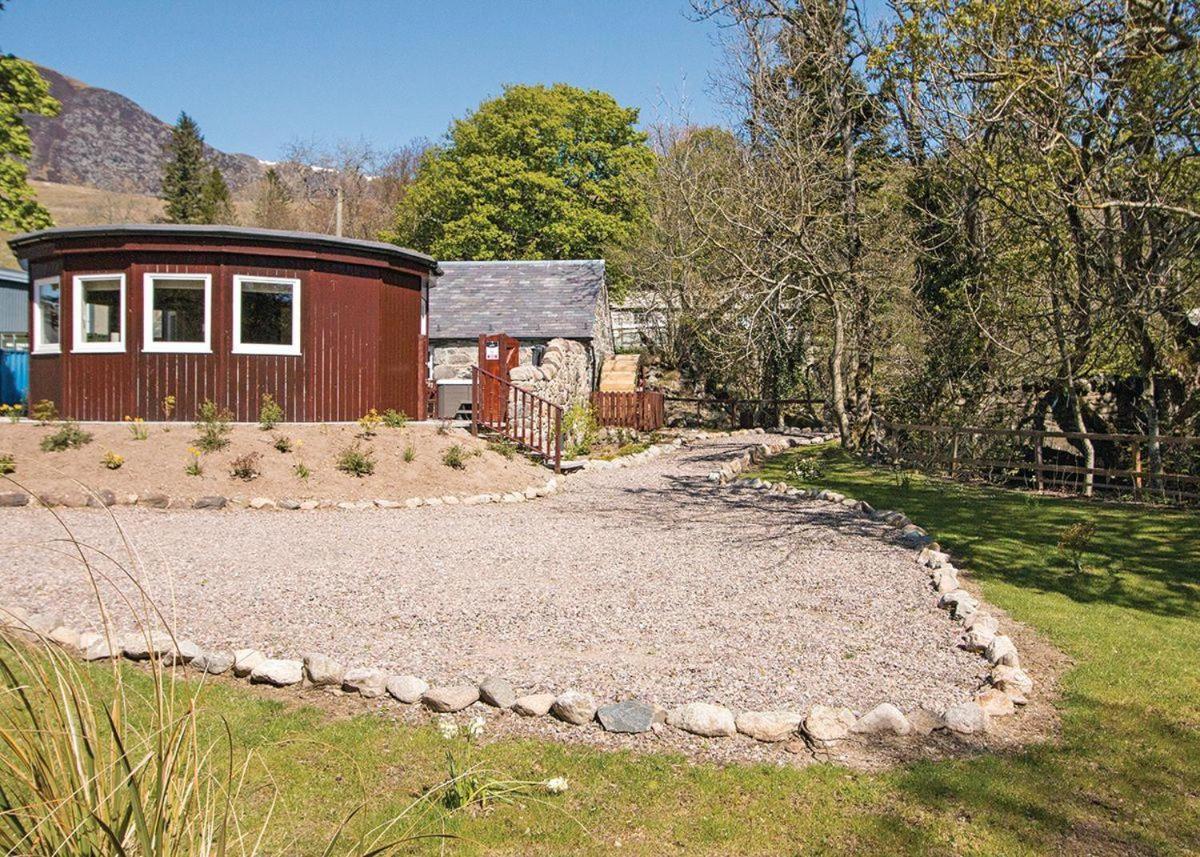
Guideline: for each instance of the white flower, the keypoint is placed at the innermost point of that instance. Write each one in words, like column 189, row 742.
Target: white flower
column 475, row 727
column 1194, row 316
column 556, row 786
column 448, row 728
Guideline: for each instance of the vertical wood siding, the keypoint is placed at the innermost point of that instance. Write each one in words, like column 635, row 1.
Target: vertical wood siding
column 359, row 334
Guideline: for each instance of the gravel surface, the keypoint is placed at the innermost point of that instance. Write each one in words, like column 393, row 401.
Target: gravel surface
column 646, row 580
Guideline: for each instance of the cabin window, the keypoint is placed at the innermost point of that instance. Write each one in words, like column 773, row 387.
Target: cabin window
column 47, row 324
column 178, row 313
column 266, row 315
column 99, row 313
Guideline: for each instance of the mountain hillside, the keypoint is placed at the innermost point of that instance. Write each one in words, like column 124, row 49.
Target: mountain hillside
column 104, row 140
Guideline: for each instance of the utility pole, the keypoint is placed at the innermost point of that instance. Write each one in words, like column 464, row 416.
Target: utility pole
column 338, row 215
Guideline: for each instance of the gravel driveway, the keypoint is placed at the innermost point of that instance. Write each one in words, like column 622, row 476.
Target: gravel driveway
column 646, row 580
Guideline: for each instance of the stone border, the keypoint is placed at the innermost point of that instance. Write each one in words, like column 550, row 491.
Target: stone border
column 822, row 727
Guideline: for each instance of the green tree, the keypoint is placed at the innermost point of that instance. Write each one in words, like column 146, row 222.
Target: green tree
column 273, row 204
column 216, row 202
column 186, row 175
column 22, row 90
column 538, row 173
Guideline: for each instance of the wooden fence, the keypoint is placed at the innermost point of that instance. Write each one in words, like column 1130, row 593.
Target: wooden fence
column 644, row 410
column 735, row 408
column 1053, row 460
column 517, row 414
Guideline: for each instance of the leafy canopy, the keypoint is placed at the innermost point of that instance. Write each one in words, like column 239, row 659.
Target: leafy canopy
column 22, row 90
column 538, row 173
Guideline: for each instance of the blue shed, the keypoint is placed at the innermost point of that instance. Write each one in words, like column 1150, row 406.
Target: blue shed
column 14, row 308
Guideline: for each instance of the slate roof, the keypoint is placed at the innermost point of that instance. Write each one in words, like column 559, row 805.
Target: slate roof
column 536, row 300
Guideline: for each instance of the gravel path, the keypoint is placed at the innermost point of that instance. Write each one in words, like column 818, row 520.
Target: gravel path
column 645, row 580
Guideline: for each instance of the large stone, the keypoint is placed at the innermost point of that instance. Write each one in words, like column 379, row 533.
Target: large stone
column 995, row 703
column 980, row 619
column 245, row 660
column 210, row 502
column 87, row 638
column 213, row 662
column 65, row 636
column 141, row 647
column 574, row 706
column 1002, row 651
column 825, row 725
column 406, row 688
column 959, row 602
column 278, row 673
column 769, row 726
column 703, row 718
column 933, row 559
column 630, row 716
column 323, row 671
column 978, row 639
column 945, row 580
column 448, row 699
column 915, row 538
column 966, row 719
column 13, row 499
column 13, row 616
column 102, row 499
column 366, row 682
column 154, row 500
column 534, row 704
column 100, row 650
column 883, row 719
column 1012, row 680
column 497, row 692
column 923, row 721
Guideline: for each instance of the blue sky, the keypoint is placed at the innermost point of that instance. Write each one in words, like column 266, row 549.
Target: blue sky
column 258, row 74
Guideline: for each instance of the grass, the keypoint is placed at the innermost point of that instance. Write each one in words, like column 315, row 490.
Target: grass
column 1124, row 777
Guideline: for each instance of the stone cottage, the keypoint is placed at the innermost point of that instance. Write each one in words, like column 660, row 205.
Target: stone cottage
column 540, row 303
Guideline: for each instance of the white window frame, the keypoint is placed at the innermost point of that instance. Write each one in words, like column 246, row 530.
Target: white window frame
column 240, row 347
column 40, row 347
column 148, row 343
column 78, row 343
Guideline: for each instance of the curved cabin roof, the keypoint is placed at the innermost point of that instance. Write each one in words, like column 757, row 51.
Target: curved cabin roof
column 212, row 238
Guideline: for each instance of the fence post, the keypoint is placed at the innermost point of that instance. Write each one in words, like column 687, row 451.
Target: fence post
column 475, row 401
column 558, row 440
column 953, row 452
column 1037, row 462
column 1137, row 468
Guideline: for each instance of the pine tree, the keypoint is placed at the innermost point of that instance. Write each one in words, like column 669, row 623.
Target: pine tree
column 186, row 174
column 272, row 208
column 216, row 205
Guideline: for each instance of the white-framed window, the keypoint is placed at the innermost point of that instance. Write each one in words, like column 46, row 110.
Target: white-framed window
column 266, row 315
column 177, row 313
column 47, row 316
column 98, row 318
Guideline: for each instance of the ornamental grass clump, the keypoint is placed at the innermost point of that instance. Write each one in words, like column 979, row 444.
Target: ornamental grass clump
column 13, row 412
column 68, row 436
column 395, row 419
column 193, row 466
column 245, row 467
column 213, row 423
column 270, row 414
column 112, row 461
column 8, row 463
column 356, row 461
column 370, row 423
column 456, row 455
column 282, row 443
column 137, row 428
column 44, row 411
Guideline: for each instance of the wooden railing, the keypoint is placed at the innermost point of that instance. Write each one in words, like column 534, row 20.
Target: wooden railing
column 528, row 420
column 1123, row 463
column 644, row 410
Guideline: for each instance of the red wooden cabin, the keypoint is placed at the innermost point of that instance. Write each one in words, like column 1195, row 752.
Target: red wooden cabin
column 123, row 316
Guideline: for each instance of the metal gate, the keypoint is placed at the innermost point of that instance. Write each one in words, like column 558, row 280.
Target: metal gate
column 14, row 376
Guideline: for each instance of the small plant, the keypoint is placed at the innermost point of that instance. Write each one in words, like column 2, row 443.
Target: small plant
column 283, row 443
column 68, row 436
column 44, row 412
column 504, row 447
column 8, row 463
column 269, row 413
column 410, row 454
column 193, row 467
column 137, row 428
column 1075, row 540
column 580, row 429
column 301, row 470
column 356, row 461
column 168, row 408
column 444, row 427
column 13, row 412
column 395, row 419
column 370, row 422
column 245, row 467
column 456, row 456
column 807, row 469
column 469, row 783
column 112, row 461
column 213, row 424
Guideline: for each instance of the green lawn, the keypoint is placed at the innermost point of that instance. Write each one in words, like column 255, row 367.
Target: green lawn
column 1125, row 776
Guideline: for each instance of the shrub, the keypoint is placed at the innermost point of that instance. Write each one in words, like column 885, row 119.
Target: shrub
column 68, row 436
column 137, row 428
column 393, row 418
column 410, row 454
column 282, row 443
column 8, row 463
column 356, row 461
column 112, row 461
column 1075, row 540
column 807, row 469
column 245, row 467
column 13, row 412
column 370, row 422
column 269, row 413
column 580, row 429
column 44, row 411
column 456, row 456
column 503, row 446
column 301, row 470
column 213, row 425
column 193, row 467
column 443, row 427
column 168, row 407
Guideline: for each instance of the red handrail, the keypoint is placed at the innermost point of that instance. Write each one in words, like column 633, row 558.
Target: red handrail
column 515, row 413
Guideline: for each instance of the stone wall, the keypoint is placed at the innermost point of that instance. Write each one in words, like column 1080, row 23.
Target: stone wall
column 453, row 358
